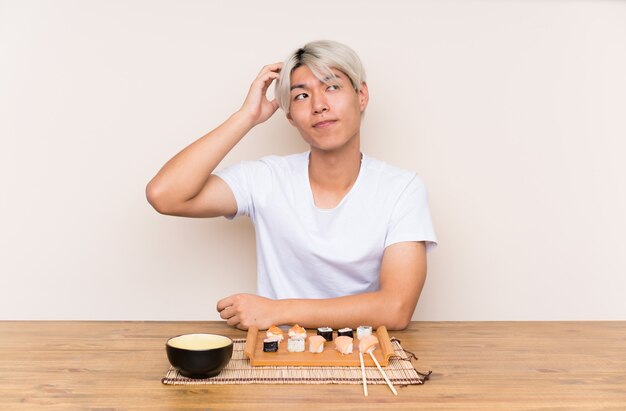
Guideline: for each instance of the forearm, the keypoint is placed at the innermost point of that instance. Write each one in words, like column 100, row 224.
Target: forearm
column 375, row 309
column 183, row 176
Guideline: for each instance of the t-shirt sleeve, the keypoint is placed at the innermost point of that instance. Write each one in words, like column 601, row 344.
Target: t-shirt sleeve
column 248, row 181
column 410, row 219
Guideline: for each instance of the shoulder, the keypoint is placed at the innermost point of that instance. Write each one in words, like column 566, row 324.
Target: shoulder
column 288, row 163
column 268, row 167
column 388, row 176
column 279, row 169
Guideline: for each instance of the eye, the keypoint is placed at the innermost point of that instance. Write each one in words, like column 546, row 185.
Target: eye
column 333, row 87
column 301, row 96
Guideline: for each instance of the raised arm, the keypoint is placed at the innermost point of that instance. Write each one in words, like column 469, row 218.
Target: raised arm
column 402, row 277
column 185, row 185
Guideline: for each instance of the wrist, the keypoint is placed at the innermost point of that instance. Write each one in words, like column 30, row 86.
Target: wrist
column 243, row 119
column 282, row 312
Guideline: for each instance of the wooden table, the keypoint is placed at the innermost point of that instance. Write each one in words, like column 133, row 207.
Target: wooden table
column 476, row 366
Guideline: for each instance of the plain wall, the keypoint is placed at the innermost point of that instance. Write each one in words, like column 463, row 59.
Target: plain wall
column 512, row 112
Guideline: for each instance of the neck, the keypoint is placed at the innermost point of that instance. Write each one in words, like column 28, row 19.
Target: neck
column 334, row 171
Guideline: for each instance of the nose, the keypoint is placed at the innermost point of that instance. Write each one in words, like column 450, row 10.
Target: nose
column 320, row 105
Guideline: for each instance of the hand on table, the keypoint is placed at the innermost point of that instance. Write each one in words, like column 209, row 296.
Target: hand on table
column 246, row 310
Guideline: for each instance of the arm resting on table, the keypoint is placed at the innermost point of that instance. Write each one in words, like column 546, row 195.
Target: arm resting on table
column 402, row 276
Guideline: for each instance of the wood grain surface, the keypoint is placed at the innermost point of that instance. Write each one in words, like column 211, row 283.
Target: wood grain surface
column 476, row 366
column 328, row 358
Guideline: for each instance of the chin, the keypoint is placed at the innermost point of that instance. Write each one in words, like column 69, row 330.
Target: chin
column 327, row 147
column 328, row 144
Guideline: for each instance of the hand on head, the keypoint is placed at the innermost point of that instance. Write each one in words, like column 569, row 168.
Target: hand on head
column 257, row 106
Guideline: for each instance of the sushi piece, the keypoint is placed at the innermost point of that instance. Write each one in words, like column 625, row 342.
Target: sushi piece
column 275, row 332
column 368, row 343
column 270, row 345
column 345, row 332
column 295, row 344
column 297, row 331
column 363, row 330
column 325, row 332
column 316, row 344
column 343, row 344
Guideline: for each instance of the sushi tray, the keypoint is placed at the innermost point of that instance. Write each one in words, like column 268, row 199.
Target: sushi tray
column 330, row 357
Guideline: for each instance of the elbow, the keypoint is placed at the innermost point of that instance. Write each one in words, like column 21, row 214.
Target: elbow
column 398, row 324
column 157, row 198
column 400, row 316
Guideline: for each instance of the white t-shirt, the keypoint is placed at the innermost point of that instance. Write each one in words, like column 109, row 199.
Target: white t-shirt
column 307, row 252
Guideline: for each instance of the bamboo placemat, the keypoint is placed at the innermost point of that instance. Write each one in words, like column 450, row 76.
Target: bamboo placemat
column 238, row 371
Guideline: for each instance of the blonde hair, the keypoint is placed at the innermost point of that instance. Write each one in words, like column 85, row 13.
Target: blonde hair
column 320, row 57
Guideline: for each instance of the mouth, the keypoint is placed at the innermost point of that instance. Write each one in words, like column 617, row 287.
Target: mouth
column 323, row 124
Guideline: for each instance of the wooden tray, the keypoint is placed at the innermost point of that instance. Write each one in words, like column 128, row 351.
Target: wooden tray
column 329, row 358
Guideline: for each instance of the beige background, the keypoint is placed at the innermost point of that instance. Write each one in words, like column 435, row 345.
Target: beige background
column 512, row 112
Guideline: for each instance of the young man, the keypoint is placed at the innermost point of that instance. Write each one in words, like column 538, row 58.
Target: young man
column 341, row 237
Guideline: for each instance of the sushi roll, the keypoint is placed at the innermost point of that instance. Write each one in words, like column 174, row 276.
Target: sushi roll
column 275, row 332
column 325, row 332
column 270, row 345
column 297, row 331
column 295, row 344
column 363, row 330
column 368, row 343
column 316, row 344
column 343, row 344
column 345, row 332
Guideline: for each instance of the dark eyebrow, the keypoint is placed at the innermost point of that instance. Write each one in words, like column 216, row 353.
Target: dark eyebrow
column 326, row 79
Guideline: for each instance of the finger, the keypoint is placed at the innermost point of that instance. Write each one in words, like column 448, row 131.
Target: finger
column 267, row 81
column 226, row 313
column 233, row 321
column 224, row 302
column 273, row 75
column 260, row 84
column 274, row 104
column 272, row 67
column 267, row 78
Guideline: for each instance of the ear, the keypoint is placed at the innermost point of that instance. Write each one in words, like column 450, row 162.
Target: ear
column 364, row 96
column 290, row 119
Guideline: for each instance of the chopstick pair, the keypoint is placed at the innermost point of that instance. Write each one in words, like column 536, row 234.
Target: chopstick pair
column 391, row 387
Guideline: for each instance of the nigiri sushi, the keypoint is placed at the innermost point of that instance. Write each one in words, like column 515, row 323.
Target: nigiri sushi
column 343, row 344
column 297, row 332
column 368, row 343
column 316, row 344
column 275, row 332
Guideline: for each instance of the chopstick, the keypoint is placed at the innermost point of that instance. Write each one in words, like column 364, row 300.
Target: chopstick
column 393, row 389
column 363, row 374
